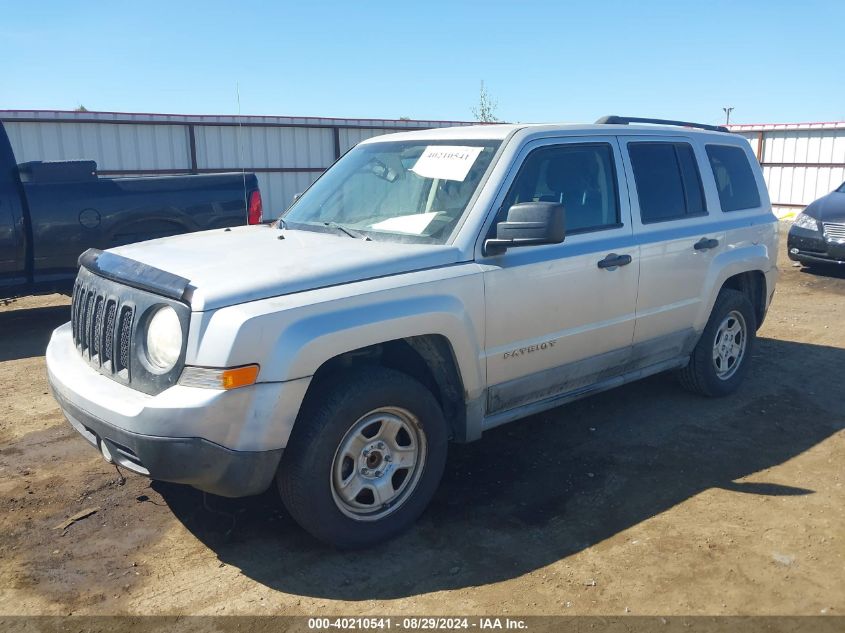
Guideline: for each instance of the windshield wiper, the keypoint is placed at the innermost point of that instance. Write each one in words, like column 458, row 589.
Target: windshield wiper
column 350, row 232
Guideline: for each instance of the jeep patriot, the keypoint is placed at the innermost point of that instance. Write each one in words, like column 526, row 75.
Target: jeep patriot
column 429, row 286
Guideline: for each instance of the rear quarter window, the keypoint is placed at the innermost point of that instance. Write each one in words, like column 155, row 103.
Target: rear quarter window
column 734, row 178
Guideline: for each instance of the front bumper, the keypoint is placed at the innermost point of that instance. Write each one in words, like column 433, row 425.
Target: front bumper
column 182, row 460
column 805, row 245
column 224, row 442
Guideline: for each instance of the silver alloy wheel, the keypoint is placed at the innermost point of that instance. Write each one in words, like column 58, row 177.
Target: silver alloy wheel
column 729, row 345
column 378, row 464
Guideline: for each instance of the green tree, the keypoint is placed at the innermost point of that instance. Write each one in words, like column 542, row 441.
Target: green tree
column 485, row 111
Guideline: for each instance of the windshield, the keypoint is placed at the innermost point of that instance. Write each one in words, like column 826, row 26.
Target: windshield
column 399, row 191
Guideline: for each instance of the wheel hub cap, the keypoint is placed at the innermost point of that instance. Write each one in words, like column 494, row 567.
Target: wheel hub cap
column 378, row 463
column 729, row 345
column 373, row 460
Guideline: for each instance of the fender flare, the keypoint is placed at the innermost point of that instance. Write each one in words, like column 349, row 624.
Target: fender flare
column 307, row 343
column 727, row 264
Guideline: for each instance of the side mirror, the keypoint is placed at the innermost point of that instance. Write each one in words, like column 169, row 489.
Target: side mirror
column 527, row 224
column 296, row 197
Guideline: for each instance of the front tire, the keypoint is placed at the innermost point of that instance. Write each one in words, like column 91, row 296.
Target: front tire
column 721, row 357
column 365, row 457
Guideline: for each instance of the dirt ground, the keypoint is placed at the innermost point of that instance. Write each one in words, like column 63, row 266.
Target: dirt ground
column 643, row 500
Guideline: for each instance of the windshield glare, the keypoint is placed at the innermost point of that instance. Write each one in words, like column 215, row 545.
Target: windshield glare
column 401, row 191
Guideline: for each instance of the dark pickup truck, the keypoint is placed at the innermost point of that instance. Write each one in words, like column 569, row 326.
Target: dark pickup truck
column 50, row 212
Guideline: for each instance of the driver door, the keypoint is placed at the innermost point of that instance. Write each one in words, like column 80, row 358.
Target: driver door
column 557, row 322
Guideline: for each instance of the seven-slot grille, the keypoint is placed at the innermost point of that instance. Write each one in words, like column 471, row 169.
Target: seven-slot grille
column 108, row 323
column 102, row 328
column 834, row 230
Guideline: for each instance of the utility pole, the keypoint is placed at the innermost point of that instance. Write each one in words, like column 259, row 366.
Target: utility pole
column 728, row 115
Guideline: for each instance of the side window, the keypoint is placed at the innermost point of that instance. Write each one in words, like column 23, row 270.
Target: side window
column 734, row 178
column 582, row 177
column 668, row 181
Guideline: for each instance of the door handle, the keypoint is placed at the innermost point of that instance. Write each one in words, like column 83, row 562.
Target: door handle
column 613, row 261
column 705, row 243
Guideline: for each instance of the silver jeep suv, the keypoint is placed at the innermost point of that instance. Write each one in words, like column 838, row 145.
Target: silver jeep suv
column 427, row 287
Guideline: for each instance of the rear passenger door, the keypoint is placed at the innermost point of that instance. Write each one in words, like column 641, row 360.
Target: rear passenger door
column 677, row 242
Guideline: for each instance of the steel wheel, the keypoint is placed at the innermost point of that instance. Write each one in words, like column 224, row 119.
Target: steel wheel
column 729, row 345
column 378, row 464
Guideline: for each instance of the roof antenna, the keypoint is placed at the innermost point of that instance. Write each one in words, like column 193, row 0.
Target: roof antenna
column 241, row 147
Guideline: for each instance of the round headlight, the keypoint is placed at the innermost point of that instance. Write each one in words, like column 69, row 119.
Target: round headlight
column 164, row 338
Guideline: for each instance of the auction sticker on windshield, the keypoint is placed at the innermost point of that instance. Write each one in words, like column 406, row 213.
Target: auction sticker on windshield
column 415, row 223
column 447, row 162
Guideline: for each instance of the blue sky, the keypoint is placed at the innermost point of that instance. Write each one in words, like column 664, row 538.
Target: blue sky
column 542, row 61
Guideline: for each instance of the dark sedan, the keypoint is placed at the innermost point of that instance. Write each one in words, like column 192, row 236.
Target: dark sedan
column 817, row 235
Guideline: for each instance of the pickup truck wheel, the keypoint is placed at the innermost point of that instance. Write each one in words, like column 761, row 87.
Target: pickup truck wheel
column 365, row 457
column 720, row 360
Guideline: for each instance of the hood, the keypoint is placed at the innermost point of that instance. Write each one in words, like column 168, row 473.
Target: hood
column 829, row 208
column 248, row 263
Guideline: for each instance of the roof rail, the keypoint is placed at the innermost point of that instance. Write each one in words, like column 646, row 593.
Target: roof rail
column 625, row 120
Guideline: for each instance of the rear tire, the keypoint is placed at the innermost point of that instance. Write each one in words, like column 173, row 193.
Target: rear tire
column 721, row 357
column 365, row 457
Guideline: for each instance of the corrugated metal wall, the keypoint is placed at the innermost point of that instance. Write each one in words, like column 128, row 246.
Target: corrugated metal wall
column 286, row 153
column 116, row 148
column 801, row 161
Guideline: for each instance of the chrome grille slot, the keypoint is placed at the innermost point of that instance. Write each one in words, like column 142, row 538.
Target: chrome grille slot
column 108, row 332
column 122, row 360
column 86, row 321
column 834, row 230
column 80, row 316
column 97, row 327
column 74, row 311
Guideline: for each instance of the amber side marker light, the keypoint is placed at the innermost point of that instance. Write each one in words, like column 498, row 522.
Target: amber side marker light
column 239, row 377
column 210, row 378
